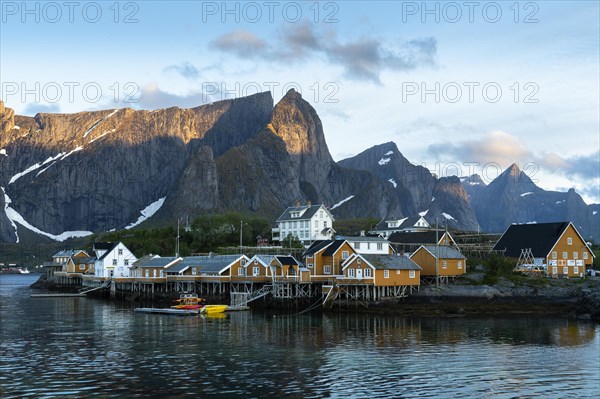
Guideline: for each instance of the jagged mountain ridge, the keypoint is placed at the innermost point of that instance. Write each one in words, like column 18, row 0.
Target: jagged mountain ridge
column 418, row 191
column 95, row 171
column 513, row 197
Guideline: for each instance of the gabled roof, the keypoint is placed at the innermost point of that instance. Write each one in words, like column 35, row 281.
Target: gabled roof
column 104, row 255
column 103, row 245
column 309, row 212
column 287, row 260
column 68, row 253
column 159, row 262
column 142, row 260
column 215, row 263
column 334, row 247
column 185, row 263
column 540, row 237
column 265, row 260
column 444, row 251
column 78, row 260
column 405, row 223
column 391, row 262
column 420, row 237
column 316, row 246
column 365, row 239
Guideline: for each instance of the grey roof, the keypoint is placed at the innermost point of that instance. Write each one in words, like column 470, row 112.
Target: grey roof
column 68, row 253
column 266, row 259
column 78, row 260
column 445, row 252
column 104, row 255
column 157, row 262
column 393, row 262
column 215, row 263
column 188, row 261
column 309, row 212
column 142, row 260
column 333, row 248
column 420, row 237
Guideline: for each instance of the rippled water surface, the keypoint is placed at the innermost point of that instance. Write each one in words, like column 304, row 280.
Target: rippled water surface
column 84, row 347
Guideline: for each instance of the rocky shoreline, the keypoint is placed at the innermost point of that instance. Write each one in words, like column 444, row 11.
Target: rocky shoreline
column 569, row 298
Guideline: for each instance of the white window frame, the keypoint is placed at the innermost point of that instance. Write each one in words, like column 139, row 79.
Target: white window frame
column 194, row 271
column 575, row 255
column 565, row 255
column 554, row 256
column 147, row 273
column 566, row 270
column 585, row 255
column 380, row 246
column 357, row 245
column 366, row 272
column 411, row 274
column 359, row 261
column 327, row 269
column 350, row 272
column 569, row 241
column 161, row 273
column 120, row 251
column 126, row 262
column 576, row 269
column 345, row 254
column 310, row 265
column 444, row 264
column 255, row 271
column 241, row 271
column 114, row 262
column 81, row 266
column 386, row 274
column 460, row 264
column 242, row 262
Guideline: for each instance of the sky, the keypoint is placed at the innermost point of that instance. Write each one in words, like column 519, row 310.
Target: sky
column 460, row 87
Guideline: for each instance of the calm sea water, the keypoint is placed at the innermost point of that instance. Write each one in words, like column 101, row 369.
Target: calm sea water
column 84, row 347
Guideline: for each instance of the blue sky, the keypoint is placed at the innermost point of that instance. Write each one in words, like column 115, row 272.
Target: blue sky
column 487, row 83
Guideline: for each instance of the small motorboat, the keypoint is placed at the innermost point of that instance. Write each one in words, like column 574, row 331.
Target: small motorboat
column 210, row 310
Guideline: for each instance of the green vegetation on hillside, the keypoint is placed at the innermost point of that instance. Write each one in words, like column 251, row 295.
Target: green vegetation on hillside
column 354, row 226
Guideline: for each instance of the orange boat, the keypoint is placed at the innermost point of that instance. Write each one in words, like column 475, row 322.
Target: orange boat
column 189, row 301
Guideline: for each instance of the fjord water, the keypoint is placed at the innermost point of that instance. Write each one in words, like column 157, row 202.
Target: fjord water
column 85, row 347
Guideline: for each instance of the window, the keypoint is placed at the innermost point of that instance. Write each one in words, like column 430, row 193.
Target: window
column 569, row 241
column 359, row 261
column 368, row 245
column 565, row 270
column 576, row 270
column 357, row 245
column 350, row 272
column 321, row 214
column 126, row 262
column 147, row 273
column 81, row 267
column 575, row 255
column 243, row 262
column 325, row 224
column 162, row 273
column 154, row 273
column 327, row 269
column 460, row 264
column 255, row 271
column 256, row 261
column 386, row 274
column 553, row 254
column 294, row 224
column 585, row 255
column 565, row 255
column 411, row 274
column 194, row 271
column 309, row 256
column 114, row 262
column 241, row 271
column 367, row 272
column 310, row 265
column 397, row 271
column 344, row 254
column 120, row 251
column 444, row 264
column 380, row 246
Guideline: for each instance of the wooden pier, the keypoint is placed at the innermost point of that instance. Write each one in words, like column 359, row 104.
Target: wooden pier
column 57, row 295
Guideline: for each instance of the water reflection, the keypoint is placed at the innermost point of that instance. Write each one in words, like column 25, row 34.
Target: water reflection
column 86, row 347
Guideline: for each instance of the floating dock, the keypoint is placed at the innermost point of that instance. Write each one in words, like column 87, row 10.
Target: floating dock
column 181, row 312
column 57, row 295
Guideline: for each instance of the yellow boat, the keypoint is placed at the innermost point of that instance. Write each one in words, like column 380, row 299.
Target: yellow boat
column 213, row 309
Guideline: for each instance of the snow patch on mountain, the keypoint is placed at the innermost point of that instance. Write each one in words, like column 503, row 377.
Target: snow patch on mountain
column 393, row 182
column 147, row 212
column 341, row 202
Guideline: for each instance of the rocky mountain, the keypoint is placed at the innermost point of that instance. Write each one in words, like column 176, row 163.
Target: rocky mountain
column 66, row 175
column 514, row 198
column 417, row 190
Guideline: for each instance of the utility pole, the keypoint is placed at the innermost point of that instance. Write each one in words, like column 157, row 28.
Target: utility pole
column 241, row 234
column 177, row 241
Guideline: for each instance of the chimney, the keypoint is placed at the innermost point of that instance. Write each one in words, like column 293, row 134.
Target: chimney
column 309, row 203
column 297, row 203
column 362, row 233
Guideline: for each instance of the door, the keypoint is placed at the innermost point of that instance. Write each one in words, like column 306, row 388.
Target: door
column 358, row 273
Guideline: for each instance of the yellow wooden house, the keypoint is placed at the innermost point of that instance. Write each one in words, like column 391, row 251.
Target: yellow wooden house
column 381, row 270
column 439, row 260
column 324, row 258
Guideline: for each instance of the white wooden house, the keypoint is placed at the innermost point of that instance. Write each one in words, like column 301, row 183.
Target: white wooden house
column 114, row 262
column 306, row 222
